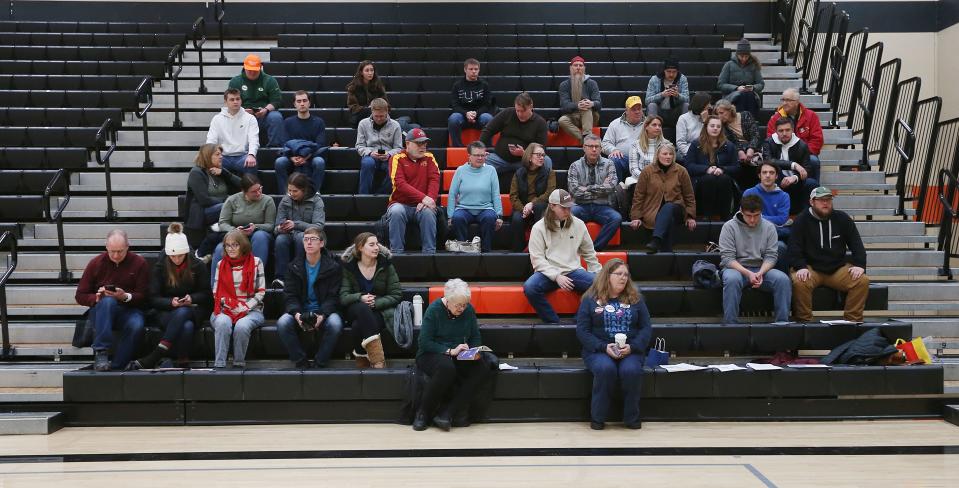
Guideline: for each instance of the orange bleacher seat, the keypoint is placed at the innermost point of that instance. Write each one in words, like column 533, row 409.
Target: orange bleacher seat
column 504, row 199
column 510, row 300
column 455, row 157
column 448, row 178
column 604, row 256
column 562, row 139
column 594, row 228
column 469, row 135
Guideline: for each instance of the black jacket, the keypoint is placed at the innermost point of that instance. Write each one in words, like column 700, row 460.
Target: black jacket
column 326, row 287
column 471, row 95
column 798, row 153
column 822, row 244
column 868, row 348
column 161, row 293
column 198, row 195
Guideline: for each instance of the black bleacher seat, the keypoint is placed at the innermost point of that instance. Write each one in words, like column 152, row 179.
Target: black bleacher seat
column 91, row 39
column 95, row 27
column 66, row 117
column 156, row 69
column 43, row 158
column 48, row 136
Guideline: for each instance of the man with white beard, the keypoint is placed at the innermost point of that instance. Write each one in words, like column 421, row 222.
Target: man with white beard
column 579, row 101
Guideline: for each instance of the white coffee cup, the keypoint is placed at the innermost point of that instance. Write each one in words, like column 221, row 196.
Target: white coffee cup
column 620, row 340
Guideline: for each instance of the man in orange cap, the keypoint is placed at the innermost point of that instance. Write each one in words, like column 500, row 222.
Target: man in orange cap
column 261, row 98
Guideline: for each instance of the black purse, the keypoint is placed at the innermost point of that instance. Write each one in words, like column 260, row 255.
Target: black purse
column 83, row 332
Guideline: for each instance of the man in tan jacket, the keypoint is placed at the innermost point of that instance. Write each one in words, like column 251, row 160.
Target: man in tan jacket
column 556, row 244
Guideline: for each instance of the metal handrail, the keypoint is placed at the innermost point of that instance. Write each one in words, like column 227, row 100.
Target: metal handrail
column 6, row 238
column 946, row 180
column 198, row 37
column 867, row 109
column 57, row 217
column 835, row 75
column 805, row 44
column 781, row 15
column 219, row 7
column 904, row 153
column 145, row 91
column 107, row 132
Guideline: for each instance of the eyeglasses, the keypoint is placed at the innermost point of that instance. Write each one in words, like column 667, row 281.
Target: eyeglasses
column 311, row 239
column 256, row 189
column 479, row 155
column 231, row 245
column 621, row 274
column 784, row 100
column 592, row 146
column 539, row 154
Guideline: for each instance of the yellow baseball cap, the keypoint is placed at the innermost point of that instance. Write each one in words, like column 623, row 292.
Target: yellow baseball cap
column 633, row 100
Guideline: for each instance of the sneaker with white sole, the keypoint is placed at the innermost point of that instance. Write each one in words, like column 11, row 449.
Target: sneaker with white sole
column 215, row 227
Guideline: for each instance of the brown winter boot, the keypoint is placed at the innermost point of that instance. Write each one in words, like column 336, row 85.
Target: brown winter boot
column 374, row 349
column 362, row 360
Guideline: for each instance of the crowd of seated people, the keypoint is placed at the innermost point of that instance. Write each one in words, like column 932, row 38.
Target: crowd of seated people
column 224, row 280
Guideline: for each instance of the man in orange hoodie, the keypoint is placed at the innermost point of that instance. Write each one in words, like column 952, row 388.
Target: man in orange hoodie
column 415, row 176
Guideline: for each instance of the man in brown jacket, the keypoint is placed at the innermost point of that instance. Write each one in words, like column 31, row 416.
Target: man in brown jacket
column 664, row 193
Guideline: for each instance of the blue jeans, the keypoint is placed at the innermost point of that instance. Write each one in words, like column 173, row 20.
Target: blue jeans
column 178, row 330
column 211, row 214
column 538, row 285
column 236, row 164
column 604, row 215
column 486, row 219
column 260, row 240
column 315, row 170
column 285, row 247
column 273, row 123
column 368, row 168
column 668, row 216
column 622, row 167
column 399, row 215
column 109, row 314
column 225, row 332
column 287, row 329
column 814, row 165
column 608, row 373
column 457, row 122
column 775, row 282
column 782, row 262
column 503, row 166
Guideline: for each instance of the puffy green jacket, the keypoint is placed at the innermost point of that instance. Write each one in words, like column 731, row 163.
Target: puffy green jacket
column 386, row 284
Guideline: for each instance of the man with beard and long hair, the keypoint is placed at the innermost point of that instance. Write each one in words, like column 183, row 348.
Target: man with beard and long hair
column 818, row 244
column 579, row 101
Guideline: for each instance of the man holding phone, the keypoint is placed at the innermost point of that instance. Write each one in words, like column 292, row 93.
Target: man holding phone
column 579, row 101
column 378, row 138
column 113, row 285
column 517, row 128
column 261, row 98
column 667, row 93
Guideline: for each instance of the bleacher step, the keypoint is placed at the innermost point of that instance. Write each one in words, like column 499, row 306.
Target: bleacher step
column 169, row 138
column 127, row 158
column 23, row 334
column 832, row 178
column 234, row 58
column 30, row 423
column 878, row 202
column 74, row 244
column 30, row 395
column 904, row 258
column 128, row 182
column 935, row 327
column 73, row 230
column 950, row 413
column 35, row 375
column 924, row 292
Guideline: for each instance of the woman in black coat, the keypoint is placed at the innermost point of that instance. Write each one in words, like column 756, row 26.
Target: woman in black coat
column 207, row 187
column 179, row 296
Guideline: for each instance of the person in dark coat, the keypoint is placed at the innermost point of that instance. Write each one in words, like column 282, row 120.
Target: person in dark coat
column 311, row 294
column 179, row 299
column 207, row 187
column 791, row 155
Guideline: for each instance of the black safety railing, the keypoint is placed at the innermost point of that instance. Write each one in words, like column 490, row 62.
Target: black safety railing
column 909, row 184
column 886, row 99
column 779, row 18
column 784, row 20
column 949, row 227
column 144, row 98
column 107, row 139
column 945, row 140
column 904, row 113
column 803, row 14
column 7, row 240
column 836, row 38
column 804, row 44
column 861, row 114
column 198, row 37
column 906, row 151
column 219, row 11
column 818, row 38
column 867, row 69
column 846, row 69
column 57, row 183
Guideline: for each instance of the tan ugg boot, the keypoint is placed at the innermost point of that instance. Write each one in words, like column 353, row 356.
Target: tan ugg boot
column 374, row 350
column 362, row 360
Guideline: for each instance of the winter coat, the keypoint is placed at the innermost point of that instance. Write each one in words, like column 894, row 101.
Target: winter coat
column 697, row 162
column 654, row 187
column 386, row 284
column 869, row 348
column 808, row 127
column 326, row 287
column 734, row 75
column 413, row 179
column 300, row 147
column 656, row 85
column 620, row 135
column 305, row 213
column 590, row 91
column 388, row 138
column 591, row 331
column 751, row 136
column 198, row 195
column 796, row 149
column 162, row 294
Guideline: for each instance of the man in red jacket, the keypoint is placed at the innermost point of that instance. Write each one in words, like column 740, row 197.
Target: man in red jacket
column 416, row 184
column 807, row 124
column 114, row 285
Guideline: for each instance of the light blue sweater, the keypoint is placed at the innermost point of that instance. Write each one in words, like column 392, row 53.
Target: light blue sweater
column 475, row 189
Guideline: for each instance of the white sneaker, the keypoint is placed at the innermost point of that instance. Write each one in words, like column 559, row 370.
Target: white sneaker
column 474, row 245
column 628, row 182
column 215, row 227
column 453, row 246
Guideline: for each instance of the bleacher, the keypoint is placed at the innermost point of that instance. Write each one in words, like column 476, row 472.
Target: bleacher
column 72, row 112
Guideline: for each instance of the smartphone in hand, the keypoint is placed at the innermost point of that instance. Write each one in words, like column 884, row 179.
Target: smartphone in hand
column 110, row 288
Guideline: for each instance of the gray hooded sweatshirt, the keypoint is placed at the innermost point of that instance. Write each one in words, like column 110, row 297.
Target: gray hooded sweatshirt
column 309, row 211
column 750, row 246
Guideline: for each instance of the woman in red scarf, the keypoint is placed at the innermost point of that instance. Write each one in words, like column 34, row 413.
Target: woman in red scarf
column 239, row 285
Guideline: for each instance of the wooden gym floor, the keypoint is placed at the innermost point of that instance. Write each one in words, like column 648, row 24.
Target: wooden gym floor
column 783, row 454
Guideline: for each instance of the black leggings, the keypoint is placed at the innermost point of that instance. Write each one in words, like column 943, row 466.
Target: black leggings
column 443, row 372
column 365, row 322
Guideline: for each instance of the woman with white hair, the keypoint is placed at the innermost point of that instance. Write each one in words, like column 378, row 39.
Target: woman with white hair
column 449, row 328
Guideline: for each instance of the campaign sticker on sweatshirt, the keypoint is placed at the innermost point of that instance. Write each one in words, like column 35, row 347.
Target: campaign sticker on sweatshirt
column 243, row 87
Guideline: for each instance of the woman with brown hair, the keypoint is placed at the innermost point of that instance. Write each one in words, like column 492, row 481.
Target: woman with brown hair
column 664, row 194
column 643, row 152
column 529, row 193
column 742, row 131
column 613, row 325
column 239, row 286
column 179, row 298
column 370, row 292
column 712, row 164
column 361, row 90
column 207, row 187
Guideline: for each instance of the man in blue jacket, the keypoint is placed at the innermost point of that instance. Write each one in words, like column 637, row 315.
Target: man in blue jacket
column 306, row 141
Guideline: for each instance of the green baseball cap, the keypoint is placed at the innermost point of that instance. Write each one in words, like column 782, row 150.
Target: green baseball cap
column 820, row 192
